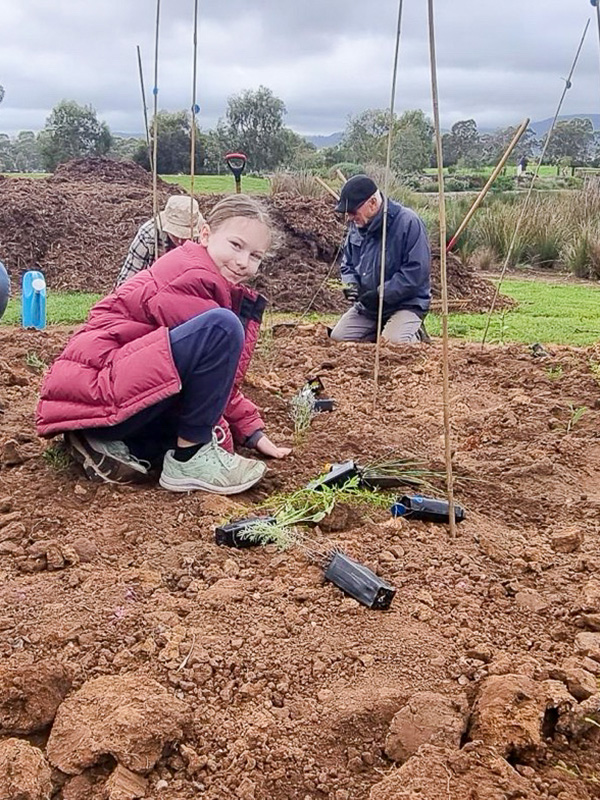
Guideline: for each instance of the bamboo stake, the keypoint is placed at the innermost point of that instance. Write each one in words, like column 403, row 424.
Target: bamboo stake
column 327, row 187
column 533, row 180
column 443, row 276
column 155, row 135
column 144, row 105
column 479, row 199
column 193, row 133
column 386, row 183
column 341, row 176
column 596, row 3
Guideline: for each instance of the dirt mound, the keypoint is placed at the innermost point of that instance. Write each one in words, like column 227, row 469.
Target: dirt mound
column 76, row 227
column 30, row 693
column 130, row 717
column 97, row 168
column 24, row 773
column 292, row 686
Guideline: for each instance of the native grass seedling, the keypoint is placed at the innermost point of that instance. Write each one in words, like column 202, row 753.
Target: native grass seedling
column 57, row 457
column 36, row 363
column 576, row 413
column 554, row 373
column 302, row 411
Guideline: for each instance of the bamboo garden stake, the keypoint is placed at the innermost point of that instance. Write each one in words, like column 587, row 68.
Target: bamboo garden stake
column 443, row 276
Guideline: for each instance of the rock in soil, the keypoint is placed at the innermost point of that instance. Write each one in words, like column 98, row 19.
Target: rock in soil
column 129, row 717
column 427, row 718
column 509, row 714
column 24, row 773
column 434, row 773
column 124, row 784
column 30, row 693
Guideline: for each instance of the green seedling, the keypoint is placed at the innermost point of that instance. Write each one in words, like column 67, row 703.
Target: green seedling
column 302, row 410
column 35, row 362
column 57, row 457
column 576, row 414
column 554, row 373
column 401, row 471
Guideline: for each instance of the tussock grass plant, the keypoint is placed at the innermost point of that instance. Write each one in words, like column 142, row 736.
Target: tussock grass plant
column 57, row 457
column 302, row 410
column 301, row 183
column 36, row 363
column 561, row 229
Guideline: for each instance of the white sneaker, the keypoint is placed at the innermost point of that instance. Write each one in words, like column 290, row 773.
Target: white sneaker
column 211, row 469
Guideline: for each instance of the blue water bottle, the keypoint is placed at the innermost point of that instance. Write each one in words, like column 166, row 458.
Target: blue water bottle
column 33, row 300
column 4, row 288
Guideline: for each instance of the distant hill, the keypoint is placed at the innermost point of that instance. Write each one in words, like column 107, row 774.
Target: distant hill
column 325, row 141
column 543, row 126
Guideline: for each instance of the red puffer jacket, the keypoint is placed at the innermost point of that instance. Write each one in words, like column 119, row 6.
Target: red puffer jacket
column 119, row 362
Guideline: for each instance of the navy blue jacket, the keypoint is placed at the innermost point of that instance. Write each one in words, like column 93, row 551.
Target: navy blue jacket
column 407, row 262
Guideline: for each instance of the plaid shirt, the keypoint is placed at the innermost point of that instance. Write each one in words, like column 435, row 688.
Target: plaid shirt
column 141, row 251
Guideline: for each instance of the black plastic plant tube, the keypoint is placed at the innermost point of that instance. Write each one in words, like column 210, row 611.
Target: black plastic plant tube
column 359, row 582
column 428, row 509
column 229, row 535
column 324, row 404
column 337, row 475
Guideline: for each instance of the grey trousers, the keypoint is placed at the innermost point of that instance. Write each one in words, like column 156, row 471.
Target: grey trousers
column 401, row 328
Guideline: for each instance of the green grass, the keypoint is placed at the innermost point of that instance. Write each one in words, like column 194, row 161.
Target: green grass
column 61, row 308
column 220, row 184
column 546, row 170
column 547, row 312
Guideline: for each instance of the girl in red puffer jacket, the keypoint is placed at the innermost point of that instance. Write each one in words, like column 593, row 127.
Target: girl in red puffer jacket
column 156, row 369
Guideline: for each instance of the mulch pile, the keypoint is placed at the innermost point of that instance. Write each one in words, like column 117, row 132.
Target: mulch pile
column 76, row 226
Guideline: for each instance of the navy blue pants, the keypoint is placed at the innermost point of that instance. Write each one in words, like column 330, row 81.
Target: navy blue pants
column 206, row 351
column 4, row 288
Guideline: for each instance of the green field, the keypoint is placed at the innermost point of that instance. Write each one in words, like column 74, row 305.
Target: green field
column 547, row 312
column 203, row 184
column 220, row 184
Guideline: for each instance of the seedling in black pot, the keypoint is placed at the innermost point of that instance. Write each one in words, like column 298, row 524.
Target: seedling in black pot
column 338, row 475
column 236, row 533
column 428, row 509
column 359, row 582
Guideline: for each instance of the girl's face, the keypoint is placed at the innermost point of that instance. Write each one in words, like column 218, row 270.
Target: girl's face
column 237, row 246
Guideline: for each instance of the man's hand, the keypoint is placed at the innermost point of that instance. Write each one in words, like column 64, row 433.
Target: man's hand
column 267, row 448
column 350, row 291
column 370, row 299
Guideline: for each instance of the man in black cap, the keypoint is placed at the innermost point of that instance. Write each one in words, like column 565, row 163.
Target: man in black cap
column 406, row 292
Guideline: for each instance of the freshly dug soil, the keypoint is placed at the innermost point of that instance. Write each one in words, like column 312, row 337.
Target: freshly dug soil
column 76, row 226
column 281, row 688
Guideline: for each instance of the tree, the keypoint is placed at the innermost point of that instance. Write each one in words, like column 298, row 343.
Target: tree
column 26, row 152
column 413, row 143
column 366, row 135
column 254, row 125
column 572, row 139
column 462, row 144
column 174, row 132
column 72, row 131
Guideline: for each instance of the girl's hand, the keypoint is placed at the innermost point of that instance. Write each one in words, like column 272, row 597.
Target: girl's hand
column 267, row 448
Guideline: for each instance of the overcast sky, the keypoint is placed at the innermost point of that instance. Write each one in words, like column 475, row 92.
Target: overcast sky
column 498, row 61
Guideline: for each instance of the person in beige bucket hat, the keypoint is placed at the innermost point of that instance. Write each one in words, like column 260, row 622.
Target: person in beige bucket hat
column 180, row 221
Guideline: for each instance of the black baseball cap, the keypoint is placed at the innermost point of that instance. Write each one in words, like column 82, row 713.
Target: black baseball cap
column 354, row 193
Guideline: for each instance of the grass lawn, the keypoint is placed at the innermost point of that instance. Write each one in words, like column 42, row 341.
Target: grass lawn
column 220, row 184
column 547, row 312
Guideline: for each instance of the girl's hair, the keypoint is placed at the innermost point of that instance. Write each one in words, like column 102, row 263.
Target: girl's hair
column 238, row 205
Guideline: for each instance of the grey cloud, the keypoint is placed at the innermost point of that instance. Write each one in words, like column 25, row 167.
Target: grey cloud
column 498, row 62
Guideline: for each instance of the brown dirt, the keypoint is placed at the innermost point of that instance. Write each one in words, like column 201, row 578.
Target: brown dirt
column 289, row 686
column 76, row 227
